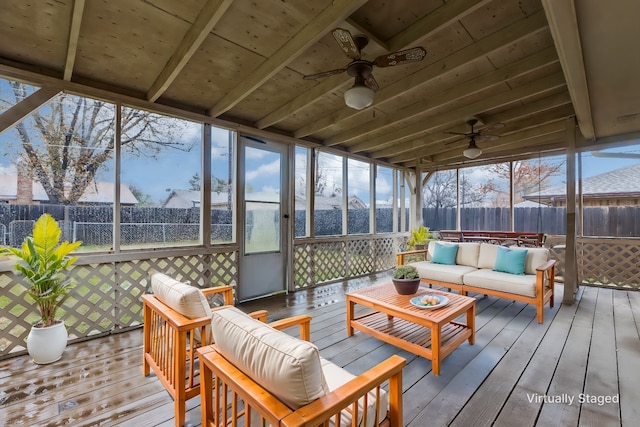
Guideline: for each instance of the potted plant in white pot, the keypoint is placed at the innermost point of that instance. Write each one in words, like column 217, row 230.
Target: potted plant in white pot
column 43, row 259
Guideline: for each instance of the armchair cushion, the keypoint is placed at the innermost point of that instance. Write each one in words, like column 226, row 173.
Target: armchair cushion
column 185, row 299
column 286, row 366
column 337, row 377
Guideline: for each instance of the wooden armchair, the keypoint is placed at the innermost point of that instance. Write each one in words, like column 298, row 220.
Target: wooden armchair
column 249, row 378
column 177, row 320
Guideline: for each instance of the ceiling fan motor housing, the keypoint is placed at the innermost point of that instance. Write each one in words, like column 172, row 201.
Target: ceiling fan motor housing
column 359, row 67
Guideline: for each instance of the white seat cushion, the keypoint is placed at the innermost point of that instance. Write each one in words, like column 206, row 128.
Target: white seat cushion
column 443, row 273
column 286, row 366
column 336, row 377
column 520, row 284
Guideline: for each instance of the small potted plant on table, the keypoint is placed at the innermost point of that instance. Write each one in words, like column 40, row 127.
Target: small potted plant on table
column 43, row 260
column 406, row 280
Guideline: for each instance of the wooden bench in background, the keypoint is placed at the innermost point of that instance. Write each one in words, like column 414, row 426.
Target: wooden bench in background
column 507, row 238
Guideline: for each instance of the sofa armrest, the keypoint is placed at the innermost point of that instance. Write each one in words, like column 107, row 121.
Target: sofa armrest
column 400, row 256
column 545, row 271
column 322, row 409
column 303, row 321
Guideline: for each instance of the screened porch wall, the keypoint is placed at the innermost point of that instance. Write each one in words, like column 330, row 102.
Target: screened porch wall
column 106, row 298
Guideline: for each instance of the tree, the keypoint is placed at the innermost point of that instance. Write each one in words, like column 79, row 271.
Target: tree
column 143, row 198
column 66, row 143
column 529, row 176
column 194, row 182
column 440, row 191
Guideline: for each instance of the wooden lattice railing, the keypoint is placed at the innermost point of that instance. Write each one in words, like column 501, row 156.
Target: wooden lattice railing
column 611, row 262
column 324, row 260
column 106, row 298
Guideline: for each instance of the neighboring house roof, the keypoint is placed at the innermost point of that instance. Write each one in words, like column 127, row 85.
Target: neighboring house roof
column 624, row 182
column 98, row 192
column 191, row 198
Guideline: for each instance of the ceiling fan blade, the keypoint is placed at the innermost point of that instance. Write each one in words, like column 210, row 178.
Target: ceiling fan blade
column 456, row 133
column 488, row 137
column 493, row 126
column 371, row 83
column 414, row 54
column 324, row 74
column 346, row 43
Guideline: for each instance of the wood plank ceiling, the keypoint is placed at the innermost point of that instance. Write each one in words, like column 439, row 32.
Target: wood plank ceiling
column 242, row 62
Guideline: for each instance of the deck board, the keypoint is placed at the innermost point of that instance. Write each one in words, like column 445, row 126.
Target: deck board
column 518, row 408
column 100, row 382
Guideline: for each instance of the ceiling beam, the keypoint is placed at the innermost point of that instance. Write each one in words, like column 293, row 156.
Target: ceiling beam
column 517, row 138
column 74, row 35
column 423, row 28
column 529, row 122
column 25, row 107
column 563, row 24
column 534, row 148
column 208, row 17
column 448, row 95
column 443, row 16
column 460, row 113
column 316, row 29
column 483, row 47
column 423, row 146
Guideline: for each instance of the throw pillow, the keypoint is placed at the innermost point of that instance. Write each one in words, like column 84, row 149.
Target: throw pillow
column 445, row 254
column 510, row 260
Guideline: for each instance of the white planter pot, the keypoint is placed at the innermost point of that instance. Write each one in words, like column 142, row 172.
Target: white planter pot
column 46, row 345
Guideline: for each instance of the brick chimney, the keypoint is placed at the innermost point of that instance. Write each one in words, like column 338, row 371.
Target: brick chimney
column 24, row 188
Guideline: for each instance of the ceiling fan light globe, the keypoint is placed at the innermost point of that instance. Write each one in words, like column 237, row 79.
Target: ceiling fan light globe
column 472, row 152
column 358, row 97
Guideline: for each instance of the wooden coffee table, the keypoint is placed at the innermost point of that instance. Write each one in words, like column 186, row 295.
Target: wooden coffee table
column 430, row 333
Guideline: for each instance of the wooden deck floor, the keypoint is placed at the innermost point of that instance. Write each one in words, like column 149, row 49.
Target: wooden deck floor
column 518, row 373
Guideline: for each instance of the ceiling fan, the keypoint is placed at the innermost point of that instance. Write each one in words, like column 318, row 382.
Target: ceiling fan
column 360, row 95
column 473, row 151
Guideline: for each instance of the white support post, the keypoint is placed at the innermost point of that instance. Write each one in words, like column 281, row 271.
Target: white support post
column 205, row 185
column 571, row 271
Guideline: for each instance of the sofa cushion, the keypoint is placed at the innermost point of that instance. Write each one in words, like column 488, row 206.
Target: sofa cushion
column 467, row 252
column 445, row 254
column 487, row 255
column 336, row 377
column 443, row 273
column 524, row 284
column 535, row 258
column 185, row 299
column 286, row 366
column 510, row 260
